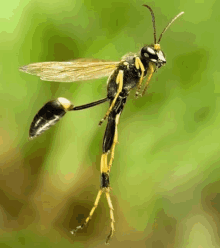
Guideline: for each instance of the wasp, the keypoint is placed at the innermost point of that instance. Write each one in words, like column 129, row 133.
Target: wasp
column 124, row 76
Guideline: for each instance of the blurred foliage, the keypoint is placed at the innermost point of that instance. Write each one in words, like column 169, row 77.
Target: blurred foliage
column 166, row 173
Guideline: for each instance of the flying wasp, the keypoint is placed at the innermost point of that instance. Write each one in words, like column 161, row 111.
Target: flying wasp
column 124, row 76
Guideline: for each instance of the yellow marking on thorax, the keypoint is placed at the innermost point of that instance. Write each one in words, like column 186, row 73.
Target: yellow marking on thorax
column 126, row 64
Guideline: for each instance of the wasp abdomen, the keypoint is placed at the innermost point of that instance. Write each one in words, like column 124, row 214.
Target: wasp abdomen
column 49, row 115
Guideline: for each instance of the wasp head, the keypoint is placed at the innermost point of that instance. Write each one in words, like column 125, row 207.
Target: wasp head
column 153, row 54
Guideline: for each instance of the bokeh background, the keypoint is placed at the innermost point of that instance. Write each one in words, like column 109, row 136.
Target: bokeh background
column 166, row 173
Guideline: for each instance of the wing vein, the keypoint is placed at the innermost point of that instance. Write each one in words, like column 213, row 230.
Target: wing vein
column 76, row 70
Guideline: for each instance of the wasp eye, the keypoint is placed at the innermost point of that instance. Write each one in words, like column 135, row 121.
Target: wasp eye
column 150, row 50
column 146, row 55
column 149, row 53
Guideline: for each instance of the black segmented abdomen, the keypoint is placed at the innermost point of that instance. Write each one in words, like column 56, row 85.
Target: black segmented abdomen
column 47, row 116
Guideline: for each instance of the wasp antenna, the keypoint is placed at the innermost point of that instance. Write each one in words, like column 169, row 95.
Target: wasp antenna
column 153, row 20
column 168, row 25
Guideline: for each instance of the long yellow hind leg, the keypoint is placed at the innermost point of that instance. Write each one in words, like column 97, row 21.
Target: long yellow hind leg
column 115, row 141
column 105, row 170
column 96, row 203
column 111, row 215
column 109, row 142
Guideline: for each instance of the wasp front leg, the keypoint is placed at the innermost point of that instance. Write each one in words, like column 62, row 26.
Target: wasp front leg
column 139, row 65
column 150, row 73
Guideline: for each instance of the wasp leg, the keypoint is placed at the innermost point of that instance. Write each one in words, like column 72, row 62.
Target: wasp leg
column 115, row 141
column 109, row 142
column 111, row 216
column 119, row 81
column 150, row 73
column 139, row 65
column 107, row 191
column 91, row 212
column 105, row 185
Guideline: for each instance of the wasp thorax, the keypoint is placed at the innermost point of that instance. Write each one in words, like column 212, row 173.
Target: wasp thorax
column 151, row 53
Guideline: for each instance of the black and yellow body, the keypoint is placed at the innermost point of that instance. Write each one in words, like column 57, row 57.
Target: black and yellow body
column 128, row 75
column 124, row 76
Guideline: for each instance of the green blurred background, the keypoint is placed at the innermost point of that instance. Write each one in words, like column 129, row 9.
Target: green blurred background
column 166, row 173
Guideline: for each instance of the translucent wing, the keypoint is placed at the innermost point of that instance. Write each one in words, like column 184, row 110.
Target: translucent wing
column 76, row 70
